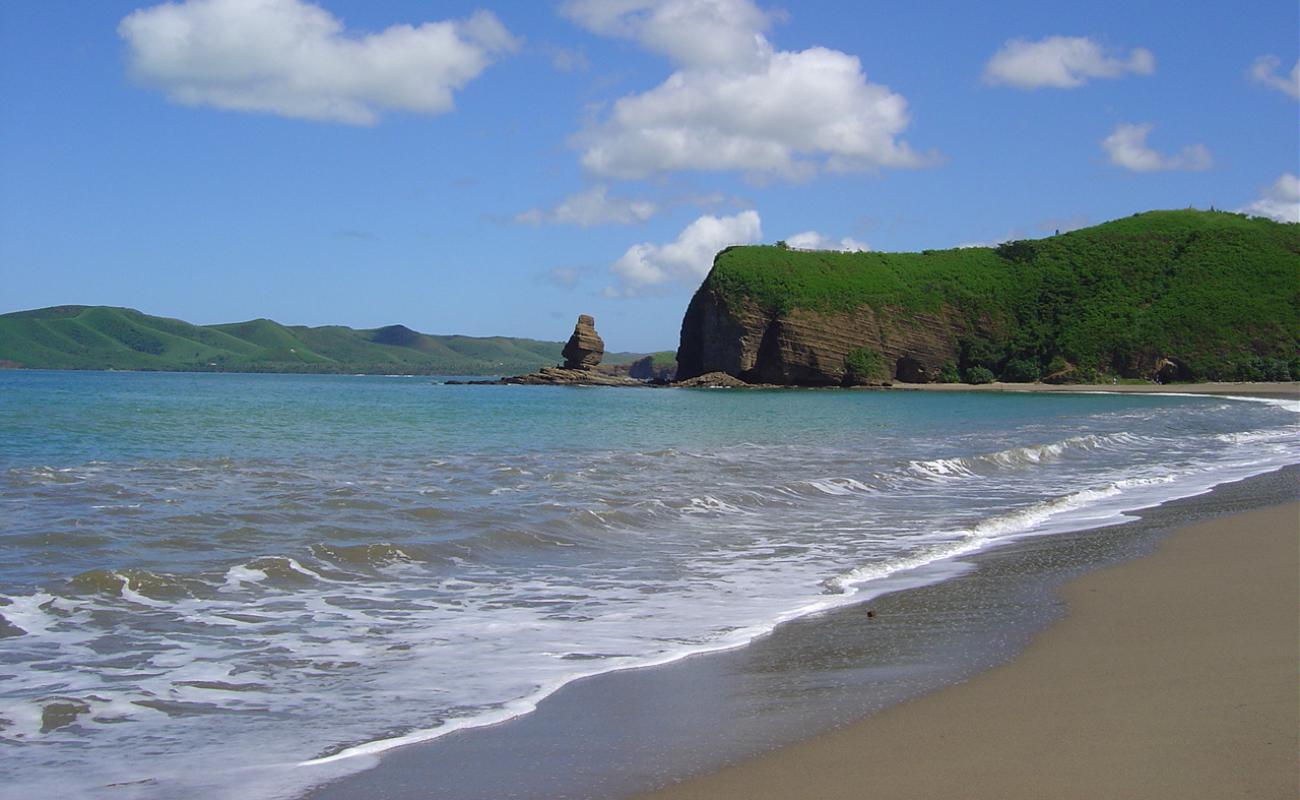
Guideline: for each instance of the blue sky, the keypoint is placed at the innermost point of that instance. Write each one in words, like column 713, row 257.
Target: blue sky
column 498, row 168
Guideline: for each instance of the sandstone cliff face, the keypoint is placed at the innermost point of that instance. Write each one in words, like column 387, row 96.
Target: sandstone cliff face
column 809, row 348
column 585, row 348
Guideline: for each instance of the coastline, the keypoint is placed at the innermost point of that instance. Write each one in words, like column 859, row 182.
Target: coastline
column 1171, row 676
column 1281, row 389
column 622, row 733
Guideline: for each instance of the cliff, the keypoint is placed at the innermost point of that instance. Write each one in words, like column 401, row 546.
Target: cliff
column 1182, row 294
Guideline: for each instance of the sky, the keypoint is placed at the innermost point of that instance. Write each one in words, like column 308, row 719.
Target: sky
column 497, row 168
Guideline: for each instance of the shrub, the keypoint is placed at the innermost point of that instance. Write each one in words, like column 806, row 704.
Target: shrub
column 976, row 351
column 865, row 363
column 1263, row 369
column 1021, row 370
column 1057, row 365
column 1020, row 250
column 948, row 374
column 978, row 375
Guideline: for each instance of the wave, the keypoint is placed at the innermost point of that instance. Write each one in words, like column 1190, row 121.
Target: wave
column 970, row 466
column 997, row 528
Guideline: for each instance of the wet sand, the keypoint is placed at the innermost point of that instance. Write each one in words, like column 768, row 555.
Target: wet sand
column 1282, row 389
column 1173, row 676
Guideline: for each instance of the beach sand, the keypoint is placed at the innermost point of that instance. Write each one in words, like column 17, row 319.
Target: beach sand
column 1281, row 389
column 1173, row 676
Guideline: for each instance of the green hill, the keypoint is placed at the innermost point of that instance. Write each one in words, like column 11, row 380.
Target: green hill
column 1196, row 294
column 101, row 337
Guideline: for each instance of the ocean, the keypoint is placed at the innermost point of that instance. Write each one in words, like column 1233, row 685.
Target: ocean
column 284, row 575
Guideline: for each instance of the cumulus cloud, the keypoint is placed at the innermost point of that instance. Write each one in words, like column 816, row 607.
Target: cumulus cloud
column 1280, row 201
column 1265, row 72
column 1127, row 147
column 812, row 240
column 590, row 207
column 700, row 33
column 688, row 258
column 295, row 59
column 735, row 102
column 1062, row 62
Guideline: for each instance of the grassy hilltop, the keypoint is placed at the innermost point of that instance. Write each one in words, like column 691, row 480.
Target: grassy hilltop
column 1216, row 293
column 101, row 337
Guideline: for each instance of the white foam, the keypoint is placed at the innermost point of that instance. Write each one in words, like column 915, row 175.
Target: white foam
column 239, row 575
column 347, row 667
column 1028, row 455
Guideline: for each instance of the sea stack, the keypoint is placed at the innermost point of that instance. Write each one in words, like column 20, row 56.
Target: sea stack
column 585, row 347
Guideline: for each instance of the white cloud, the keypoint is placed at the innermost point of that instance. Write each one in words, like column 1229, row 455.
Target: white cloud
column 295, row 59
column 736, row 103
column 689, row 257
column 698, row 33
column 1280, row 201
column 1062, row 62
column 1127, row 148
column 591, row 207
column 567, row 60
column 812, row 240
column 1264, row 71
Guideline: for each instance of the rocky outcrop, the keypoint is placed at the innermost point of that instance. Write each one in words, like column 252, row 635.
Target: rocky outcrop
column 562, row 376
column 581, row 366
column 813, row 348
column 1170, row 370
column 585, row 348
column 645, row 369
column 712, row 380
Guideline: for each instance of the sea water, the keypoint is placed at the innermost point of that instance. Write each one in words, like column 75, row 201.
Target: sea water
column 243, row 585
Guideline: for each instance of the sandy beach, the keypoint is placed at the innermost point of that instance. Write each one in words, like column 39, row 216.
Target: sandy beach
column 1173, row 676
column 1287, row 389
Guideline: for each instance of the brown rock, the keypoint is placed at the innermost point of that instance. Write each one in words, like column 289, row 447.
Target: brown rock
column 803, row 347
column 564, row 376
column 712, row 380
column 1169, row 370
column 645, row 369
column 585, row 347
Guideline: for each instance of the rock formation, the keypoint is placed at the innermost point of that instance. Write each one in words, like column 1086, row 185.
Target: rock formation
column 582, row 356
column 644, row 369
column 712, row 380
column 810, row 348
column 555, row 376
column 585, row 347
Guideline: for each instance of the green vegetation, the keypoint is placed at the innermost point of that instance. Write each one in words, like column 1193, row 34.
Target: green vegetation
column 100, row 337
column 1216, row 292
column 664, row 359
column 948, row 374
column 865, row 364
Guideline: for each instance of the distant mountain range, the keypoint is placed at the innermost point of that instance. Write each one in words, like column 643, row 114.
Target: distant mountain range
column 104, row 337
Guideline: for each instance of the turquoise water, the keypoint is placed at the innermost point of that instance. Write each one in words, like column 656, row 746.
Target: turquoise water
column 287, row 574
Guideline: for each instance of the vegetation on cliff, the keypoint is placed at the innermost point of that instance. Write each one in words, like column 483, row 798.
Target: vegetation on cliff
column 1200, row 295
column 101, row 337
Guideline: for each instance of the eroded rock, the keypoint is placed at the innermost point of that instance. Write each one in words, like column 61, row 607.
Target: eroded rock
column 585, row 348
column 805, row 347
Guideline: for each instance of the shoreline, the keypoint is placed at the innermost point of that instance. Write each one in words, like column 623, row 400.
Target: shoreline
column 1280, row 389
column 580, row 741
column 1272, row 389
column 1170, row 676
